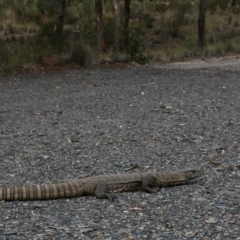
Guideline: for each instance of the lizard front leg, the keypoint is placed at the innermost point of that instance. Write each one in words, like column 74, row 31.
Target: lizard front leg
column 148, row 182
column 102, row 191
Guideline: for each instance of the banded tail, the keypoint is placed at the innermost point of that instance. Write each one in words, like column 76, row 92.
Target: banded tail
column 41, row 192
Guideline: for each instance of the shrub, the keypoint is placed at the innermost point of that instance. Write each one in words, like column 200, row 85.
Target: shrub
column 212, row 5
column 149, row 20
column 88, row 33
column 136, row 46
column 48, row 37
column 4, row 54
column 109, row 30
column 82, row 54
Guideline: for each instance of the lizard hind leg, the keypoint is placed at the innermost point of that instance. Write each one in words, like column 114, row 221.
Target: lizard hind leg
column 102, row 191
column 147, row 184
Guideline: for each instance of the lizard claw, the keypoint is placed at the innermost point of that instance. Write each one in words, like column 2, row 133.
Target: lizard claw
column 111, row 196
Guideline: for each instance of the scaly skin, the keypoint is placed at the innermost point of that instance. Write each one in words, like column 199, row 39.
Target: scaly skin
column 103, row 186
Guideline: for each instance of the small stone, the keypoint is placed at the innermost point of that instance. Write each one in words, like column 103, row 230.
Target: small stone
column 211, row 220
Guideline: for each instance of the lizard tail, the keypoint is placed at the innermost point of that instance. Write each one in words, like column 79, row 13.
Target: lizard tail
column 41, row 192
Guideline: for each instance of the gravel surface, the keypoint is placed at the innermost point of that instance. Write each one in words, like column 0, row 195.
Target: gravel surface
column 60, row 126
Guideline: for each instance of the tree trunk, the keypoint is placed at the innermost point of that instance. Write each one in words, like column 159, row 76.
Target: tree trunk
column 100, row 28
column 201, row 23
column 126, row 21
column 233, row 3
column 117, row 8
column 60, row 22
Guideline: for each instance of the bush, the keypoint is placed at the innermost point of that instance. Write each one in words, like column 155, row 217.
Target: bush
column 161, row 7
column 82, row 54
column 4, row 54
column 48, row 37
column 46, row 6
column 89, row 33
column 20, row 54
column 109, row 30
column 136, row 46
column 181, row 8
column 174, row 18
column 212, row 5
column 149, row 20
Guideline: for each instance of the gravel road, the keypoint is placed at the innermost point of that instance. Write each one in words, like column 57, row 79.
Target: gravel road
column 66, row 125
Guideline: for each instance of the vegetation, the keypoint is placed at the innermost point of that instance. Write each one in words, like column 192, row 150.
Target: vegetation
column 145, row 30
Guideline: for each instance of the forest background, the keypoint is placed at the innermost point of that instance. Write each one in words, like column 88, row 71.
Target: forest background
column 86, row 32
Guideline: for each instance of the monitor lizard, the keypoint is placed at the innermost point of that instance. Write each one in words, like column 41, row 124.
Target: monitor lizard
column 102, row 186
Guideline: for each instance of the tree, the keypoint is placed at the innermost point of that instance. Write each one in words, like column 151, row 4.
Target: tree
column 53, row 29
column 61, row 11
column 60, row 22
column 126, row 20
column 117, row 8
column 201, row 23
column 100, row 28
